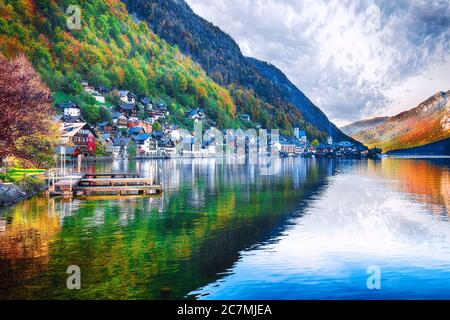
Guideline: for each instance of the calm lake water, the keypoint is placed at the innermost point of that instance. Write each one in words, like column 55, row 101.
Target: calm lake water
column 223, row 231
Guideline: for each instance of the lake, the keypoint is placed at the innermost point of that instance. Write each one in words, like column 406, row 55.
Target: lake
column 313, row 230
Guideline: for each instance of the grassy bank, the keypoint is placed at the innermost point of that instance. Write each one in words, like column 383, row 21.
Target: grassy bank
column 16, row 175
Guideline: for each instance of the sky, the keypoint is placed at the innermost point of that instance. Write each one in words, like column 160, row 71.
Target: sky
column 355, row 59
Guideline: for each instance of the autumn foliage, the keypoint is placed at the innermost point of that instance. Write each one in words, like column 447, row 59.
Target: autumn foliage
column 25, row 111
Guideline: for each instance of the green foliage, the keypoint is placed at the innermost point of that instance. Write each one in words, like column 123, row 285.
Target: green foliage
column 101, row 148
column 131, row 150
column 315, row 143
column 113, row 51
column 110, row 50
column 156, row 126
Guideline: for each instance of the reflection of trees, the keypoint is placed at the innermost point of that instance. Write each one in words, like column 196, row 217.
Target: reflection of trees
column 127, row 248
column 25, row 242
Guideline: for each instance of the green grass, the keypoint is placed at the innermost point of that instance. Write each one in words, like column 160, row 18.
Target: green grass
column 60, row 97
column 18, row 174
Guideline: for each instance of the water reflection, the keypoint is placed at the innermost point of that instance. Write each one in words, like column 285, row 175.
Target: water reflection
column 371, row 214
column 232, row 232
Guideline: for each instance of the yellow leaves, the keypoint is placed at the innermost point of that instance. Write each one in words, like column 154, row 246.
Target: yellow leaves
column 6, row 11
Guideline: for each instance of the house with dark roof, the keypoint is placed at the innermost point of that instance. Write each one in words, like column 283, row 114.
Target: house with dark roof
column 105, row 127
column 146, row 103
column 119, row 147
column 126, row 96
column 135, row 131
column 245, row 117
column 128, row 109
column 102, row 90
column 196, row 114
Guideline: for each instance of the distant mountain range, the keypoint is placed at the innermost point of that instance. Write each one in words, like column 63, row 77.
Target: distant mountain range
column 356, row 127
column 425, row 124
column 221, row 58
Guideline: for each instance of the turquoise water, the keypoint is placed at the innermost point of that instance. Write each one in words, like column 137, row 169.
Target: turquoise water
column 224, row 231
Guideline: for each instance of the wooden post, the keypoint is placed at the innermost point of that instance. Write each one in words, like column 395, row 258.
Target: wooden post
column 79, row 163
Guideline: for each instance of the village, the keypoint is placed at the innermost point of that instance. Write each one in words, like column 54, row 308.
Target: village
column 138, row 129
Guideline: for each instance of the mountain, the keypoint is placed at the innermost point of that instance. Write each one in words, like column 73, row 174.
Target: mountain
column 223, row 61
column 355, row 127
column 110, row 49
column 427, row 123
column 438, row 148
column 311, row 113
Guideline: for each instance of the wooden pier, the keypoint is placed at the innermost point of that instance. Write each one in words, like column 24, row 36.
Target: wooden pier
column 93, row 184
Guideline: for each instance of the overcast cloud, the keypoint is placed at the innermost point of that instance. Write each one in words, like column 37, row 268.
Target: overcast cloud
column 354, row 59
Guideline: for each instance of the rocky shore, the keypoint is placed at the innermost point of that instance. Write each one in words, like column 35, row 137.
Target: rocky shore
column 12, row 193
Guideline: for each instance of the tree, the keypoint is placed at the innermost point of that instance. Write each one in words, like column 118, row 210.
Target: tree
column 131, row 150
column 101, row 148
column 25, row 110
column 315, row 143
column 156, row 126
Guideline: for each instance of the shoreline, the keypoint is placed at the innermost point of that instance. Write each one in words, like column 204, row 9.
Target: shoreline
column 13, row 193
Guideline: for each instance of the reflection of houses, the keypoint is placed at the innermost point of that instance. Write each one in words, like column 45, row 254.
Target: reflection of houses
column 80, row 136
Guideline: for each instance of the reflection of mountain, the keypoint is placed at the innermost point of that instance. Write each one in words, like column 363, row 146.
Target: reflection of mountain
column 372, row 212
column 426, row 123
column 428, row 180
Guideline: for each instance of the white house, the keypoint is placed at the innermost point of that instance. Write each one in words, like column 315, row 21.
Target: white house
column 70, row 109
column 126, row 96
column 99, row 98
column 145, row 144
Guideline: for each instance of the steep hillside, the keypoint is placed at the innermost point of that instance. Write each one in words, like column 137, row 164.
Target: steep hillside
column 438, row 148
column 355, row 127
column 426, row 123
column 109, row 49
column 222, row 59
column 291, row 93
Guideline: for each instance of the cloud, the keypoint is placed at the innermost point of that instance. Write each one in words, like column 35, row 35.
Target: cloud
column 347, row 56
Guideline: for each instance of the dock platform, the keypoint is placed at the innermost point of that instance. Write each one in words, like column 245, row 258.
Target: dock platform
column 92, row 184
